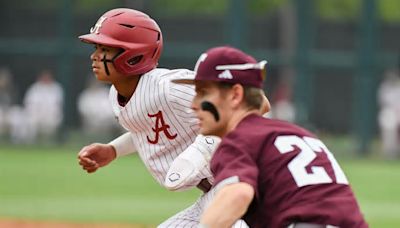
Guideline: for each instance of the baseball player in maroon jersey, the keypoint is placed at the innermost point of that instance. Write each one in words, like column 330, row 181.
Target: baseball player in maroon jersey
column 270, row 173
column 162, row 127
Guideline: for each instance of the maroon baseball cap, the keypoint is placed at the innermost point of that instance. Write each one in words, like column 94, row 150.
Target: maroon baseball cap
column 228, row 64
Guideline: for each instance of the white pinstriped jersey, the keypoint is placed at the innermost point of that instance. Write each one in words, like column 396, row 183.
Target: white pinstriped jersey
column 160, row 120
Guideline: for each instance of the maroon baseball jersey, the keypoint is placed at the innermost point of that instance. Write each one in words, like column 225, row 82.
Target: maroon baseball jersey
column 295, row 177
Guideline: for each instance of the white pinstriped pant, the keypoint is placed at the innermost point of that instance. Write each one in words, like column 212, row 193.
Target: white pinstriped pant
column 190, row 217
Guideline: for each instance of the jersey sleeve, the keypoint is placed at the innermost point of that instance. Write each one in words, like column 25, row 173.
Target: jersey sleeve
column 123, row 145
column 231, row 164
column 193, row 164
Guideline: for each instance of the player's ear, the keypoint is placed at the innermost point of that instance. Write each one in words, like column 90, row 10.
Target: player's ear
column 237, row 95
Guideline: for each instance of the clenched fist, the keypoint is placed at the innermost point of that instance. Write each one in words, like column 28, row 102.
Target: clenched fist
column 96, row 155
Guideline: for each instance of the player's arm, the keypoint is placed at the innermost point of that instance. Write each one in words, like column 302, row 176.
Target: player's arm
column 123, row 145
column 229, row 205
column 192, row 164
column 97, row 155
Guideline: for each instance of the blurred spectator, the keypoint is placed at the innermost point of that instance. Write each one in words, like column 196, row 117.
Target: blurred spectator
column 19, row 132
column 6, row 98
column 282, row 105
column 389, row 114
column 44, row 107
column 95, row 110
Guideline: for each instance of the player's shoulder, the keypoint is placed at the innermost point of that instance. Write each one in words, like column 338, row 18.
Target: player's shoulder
column 268, row 127
column 169, row 74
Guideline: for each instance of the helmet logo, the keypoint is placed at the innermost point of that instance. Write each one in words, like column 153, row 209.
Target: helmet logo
column 96, row 28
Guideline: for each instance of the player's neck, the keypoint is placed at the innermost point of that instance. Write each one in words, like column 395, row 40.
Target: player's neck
column 238, row 117
column 127, row 87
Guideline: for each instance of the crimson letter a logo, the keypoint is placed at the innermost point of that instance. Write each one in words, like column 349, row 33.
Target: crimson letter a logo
column 160, row 126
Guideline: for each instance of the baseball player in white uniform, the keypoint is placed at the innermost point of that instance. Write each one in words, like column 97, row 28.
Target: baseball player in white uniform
column 161, row 126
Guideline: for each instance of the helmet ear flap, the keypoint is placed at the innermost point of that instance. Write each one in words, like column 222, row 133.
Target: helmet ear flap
column 135, row 60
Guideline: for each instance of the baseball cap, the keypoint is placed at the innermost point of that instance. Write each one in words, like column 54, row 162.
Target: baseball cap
column 227, row 64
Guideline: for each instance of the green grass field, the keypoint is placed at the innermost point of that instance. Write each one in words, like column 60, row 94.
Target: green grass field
column 46, row 183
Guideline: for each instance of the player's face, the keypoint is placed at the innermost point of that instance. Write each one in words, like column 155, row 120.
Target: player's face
column 99, row 58
column 211, row 108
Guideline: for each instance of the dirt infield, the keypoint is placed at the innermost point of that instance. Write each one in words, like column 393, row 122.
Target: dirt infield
column 5, row 223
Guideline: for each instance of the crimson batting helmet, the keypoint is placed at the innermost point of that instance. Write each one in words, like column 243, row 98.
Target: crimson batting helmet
column 133, row 31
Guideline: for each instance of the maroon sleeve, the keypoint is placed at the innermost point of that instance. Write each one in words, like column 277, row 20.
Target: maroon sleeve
column 231, row 164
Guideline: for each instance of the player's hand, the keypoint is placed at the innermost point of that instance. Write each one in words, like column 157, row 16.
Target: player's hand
column 96, row 155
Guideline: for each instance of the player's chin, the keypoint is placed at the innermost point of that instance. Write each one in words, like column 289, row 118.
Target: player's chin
column 101, row 77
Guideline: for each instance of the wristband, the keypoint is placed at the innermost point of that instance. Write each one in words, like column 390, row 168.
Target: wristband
column 123, row 145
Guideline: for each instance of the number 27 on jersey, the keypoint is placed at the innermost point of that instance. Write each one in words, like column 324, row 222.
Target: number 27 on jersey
column 309, row 147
